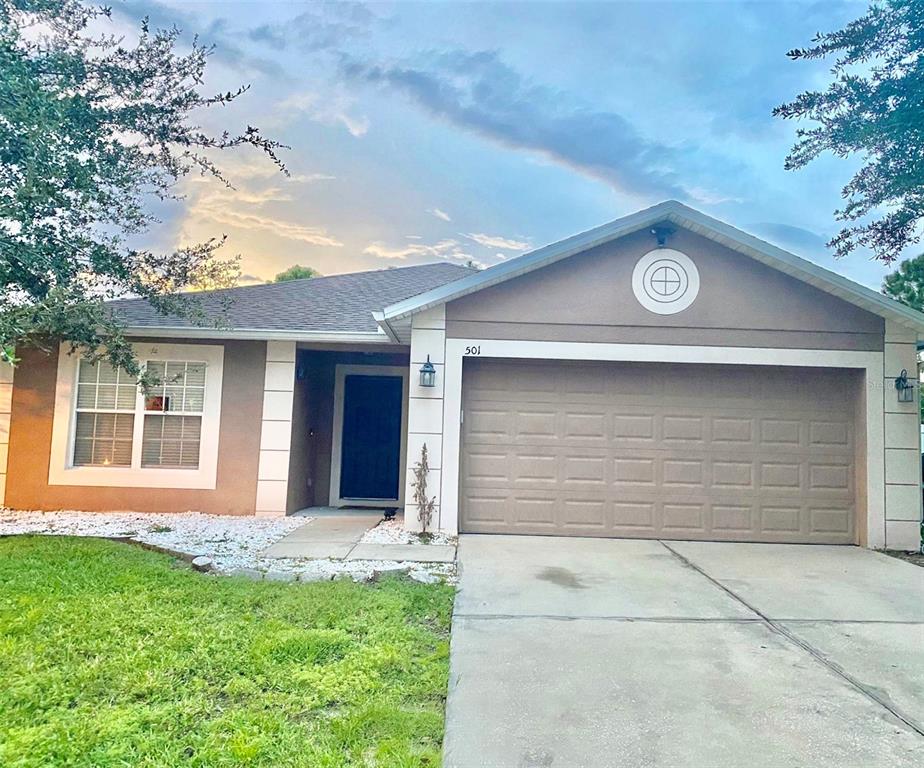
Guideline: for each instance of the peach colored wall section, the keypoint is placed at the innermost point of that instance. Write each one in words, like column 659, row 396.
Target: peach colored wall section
column 238, row 448
column 6, row 404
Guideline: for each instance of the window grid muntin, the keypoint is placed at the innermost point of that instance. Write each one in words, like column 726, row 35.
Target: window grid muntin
column 188, row 378
column 175, row 382
column 188, row 442
column 122, row 383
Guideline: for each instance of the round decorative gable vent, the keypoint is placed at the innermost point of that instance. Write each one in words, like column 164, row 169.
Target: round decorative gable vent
column 665, row 281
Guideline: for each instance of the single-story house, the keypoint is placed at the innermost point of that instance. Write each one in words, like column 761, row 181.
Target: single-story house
column 662, row 376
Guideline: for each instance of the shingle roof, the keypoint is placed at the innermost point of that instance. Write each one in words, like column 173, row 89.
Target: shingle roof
column 337, row 304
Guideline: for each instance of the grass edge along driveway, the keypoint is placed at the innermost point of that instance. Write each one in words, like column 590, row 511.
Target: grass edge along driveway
column 111, row 655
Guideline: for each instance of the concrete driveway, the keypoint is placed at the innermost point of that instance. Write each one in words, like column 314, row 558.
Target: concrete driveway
column 601, row 652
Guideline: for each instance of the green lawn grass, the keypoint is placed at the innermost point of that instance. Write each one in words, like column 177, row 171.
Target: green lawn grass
column 111, row 655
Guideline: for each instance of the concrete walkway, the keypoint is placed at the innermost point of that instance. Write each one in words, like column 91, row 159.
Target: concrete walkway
column 644, row 654
column 338, row 538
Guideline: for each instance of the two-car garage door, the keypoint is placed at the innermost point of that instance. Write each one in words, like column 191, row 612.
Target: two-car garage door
column 659, row 451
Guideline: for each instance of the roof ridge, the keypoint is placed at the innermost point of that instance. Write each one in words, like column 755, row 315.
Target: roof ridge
column 315, row 279
column 685, row 216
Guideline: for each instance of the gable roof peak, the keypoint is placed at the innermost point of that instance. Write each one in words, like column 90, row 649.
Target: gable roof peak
column 678, row 213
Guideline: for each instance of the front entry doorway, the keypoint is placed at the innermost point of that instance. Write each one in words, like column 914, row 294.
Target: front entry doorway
column 368, row 456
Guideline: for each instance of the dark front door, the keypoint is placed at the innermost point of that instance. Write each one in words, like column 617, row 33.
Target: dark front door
column 370, row 459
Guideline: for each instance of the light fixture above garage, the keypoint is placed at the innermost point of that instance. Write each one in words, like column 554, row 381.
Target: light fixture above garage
column 905, row 388
column 427, row 374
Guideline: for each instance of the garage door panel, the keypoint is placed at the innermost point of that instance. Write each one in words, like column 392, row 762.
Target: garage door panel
column 687, row 452
column 733, row 519
column 830, row 520
column 584, row 515
column 830, row 434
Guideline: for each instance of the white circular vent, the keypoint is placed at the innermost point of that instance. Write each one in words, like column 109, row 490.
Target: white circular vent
column 665, row 281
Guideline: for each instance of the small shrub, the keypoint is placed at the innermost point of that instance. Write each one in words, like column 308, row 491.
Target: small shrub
column 425, row 503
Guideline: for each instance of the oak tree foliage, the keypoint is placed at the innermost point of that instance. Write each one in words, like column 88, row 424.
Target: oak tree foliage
column 906, row 283
column 874, row 110
column 93, row 130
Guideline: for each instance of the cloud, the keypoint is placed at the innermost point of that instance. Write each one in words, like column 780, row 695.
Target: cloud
column 442, row 249
column 245, row 206
column 479, row 92
column 333, row 110
column 250, row 279
column 439, row 214
column 321, row 27
column 310, row 178
column 495, row 241
column 227, row 49
column 279, row 227
column 788, row 236
column 239, row 168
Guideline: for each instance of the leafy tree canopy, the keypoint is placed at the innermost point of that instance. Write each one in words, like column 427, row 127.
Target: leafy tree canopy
column 874, row 109
column 93, row 130
column 296, row 272
column 907, row 283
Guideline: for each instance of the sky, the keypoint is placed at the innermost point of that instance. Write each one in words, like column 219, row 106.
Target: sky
column 446, row 131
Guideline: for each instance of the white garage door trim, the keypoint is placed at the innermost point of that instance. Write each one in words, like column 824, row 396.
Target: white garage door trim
column 870, row 362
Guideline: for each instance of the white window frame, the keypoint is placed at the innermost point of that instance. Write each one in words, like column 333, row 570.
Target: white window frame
column 61, row 469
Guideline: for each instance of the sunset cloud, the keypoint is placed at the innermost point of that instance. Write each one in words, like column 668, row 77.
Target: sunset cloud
column 441, row 249
column 495, row 241
column 330, row 110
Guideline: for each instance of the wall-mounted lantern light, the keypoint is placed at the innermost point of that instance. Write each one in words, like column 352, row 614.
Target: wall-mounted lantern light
column 904, row 387
column 427, row 374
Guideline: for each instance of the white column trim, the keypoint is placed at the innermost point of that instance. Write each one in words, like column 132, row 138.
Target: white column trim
column 276, row 429
column 871, row 363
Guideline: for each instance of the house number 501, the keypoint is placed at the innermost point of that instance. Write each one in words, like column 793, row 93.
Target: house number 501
column 473, row 350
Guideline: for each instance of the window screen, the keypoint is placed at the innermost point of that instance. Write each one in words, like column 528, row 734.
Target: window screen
column 105, row 416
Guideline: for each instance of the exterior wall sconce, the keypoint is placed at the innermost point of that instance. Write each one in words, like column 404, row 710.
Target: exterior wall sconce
column 427, row 374
column 904, row 387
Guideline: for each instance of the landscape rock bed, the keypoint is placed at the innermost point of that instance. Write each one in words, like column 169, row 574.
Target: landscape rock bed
column 232, row 544
column 394, row 532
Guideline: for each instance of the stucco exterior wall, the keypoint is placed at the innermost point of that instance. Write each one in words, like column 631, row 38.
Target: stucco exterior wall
column 589, row 298
column 902, row 437
column 276, row 429
column 425, row 412
column 745, row 313
column 33, row 398
column 6, row 406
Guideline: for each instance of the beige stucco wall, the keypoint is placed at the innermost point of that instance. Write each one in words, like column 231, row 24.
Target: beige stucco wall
column 902, row 443
column 588, row 298
column 425, row 413
column 33, row 399
column 758, row 314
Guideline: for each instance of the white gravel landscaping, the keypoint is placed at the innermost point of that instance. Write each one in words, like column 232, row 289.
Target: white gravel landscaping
column 394, row 532
column 233, row 544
